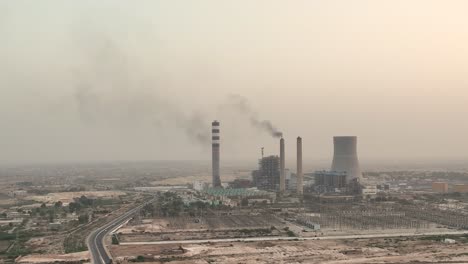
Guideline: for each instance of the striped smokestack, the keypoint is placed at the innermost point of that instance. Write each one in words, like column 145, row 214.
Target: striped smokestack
column 282, row 169
column 215, row 153
column 300, row 175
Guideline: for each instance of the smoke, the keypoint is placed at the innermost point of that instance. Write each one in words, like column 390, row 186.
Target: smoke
column 109, row 91
column 86, row 103
column 242, row 105
column 196, row 128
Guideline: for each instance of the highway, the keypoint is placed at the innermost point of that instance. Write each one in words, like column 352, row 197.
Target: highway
column 95, row 240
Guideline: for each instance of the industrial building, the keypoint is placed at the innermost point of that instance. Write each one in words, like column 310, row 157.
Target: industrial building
column 329, row 181
column 215, row 145
column 267, row 177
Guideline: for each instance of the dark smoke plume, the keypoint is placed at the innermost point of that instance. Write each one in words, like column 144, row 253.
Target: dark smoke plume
column 108, row 92
column 242, row 105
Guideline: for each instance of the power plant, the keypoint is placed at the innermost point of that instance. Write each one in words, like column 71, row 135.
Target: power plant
column 267, row 177
column 344, row 176
column 345, row 158
column 215, row 147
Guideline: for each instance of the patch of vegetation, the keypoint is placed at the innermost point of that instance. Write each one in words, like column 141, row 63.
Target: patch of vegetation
column 255, row 231
column 19, row 239
column 140, row 259
column 167, row 204
column 115, row 240
column 74, row 243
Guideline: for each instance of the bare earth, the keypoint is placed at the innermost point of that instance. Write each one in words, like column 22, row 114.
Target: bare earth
column 73, row 258
column 398, row 250
column 67, row 197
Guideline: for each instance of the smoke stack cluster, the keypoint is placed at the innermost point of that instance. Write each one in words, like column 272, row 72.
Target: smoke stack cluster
column 282, row 169
column 300, row 175
column 345, row 157
column 215, row 145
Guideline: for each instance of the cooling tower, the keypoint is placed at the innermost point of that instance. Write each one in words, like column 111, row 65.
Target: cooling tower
column 345, row 157
column 215, row 153
column 282, row 184
column 300, row 175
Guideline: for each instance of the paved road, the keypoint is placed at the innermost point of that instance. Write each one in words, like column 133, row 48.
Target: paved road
column 95, row 241
column 297, row 238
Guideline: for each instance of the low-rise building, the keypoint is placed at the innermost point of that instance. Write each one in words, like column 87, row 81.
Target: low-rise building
column 199, row 185
column 18, row 193
column 441, row 187
column 369, row 191
column 460, row 188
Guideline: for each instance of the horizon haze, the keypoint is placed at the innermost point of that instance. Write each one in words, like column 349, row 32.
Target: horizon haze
column 113, row 80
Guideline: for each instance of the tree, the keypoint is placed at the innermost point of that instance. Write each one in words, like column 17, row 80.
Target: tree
column 51, row 216
column 83, row 219
column 74, row 207
column 58, row 204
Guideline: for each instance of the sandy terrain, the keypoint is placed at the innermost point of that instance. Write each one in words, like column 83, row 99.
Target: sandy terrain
column 150, row 225
column 74, row 257
column 67, row 197
column 398, row 250
column 51, row 244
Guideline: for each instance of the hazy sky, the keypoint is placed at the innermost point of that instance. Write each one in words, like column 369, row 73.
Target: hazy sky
column 140, row 80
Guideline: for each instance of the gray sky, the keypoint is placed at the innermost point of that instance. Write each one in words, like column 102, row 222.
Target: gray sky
column 140, row 80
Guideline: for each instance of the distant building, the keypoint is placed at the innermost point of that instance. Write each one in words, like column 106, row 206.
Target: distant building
column 14, row 222
column 441, row 187
column 330, row 179
column 255, row 201
column 460, row 188
column 267, row 177
column 240, row 183
column 55, row 226
column 369, row 191
column 18, row 193
column 234, row 197
column 199, row 186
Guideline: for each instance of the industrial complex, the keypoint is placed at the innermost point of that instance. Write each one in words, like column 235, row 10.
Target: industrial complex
column 210, row 213
column 344, row 176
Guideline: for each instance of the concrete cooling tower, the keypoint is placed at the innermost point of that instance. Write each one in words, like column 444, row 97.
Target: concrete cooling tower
column 345, row 157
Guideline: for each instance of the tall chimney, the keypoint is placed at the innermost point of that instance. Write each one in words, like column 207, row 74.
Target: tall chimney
column 300, row 175
column 215, row 153
column 345, row 157
column 282, row 172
